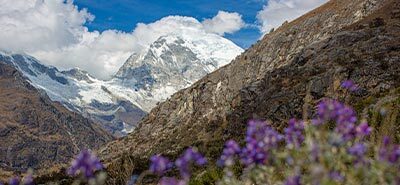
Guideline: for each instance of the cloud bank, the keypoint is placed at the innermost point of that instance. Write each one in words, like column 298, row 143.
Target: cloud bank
column 278, row 11
column 54, row 32
column 224, row 22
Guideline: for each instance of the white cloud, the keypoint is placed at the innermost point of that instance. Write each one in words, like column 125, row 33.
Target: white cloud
column 224, row 22
column 101, row 54
column 53, row 31
column 278, row 11
column 28, row 25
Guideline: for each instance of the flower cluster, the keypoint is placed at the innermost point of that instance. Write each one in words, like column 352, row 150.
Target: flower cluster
column 260, row 139
column 85, row 163
column 333, row 149
column 171, row 181
column 333, row 110
column 295, row 180
column 183, row 162
column 14, row 181
column 294, row 133
column 231, row 149
column 27, row 180
column 389, row 152
column 344, row 116
column 159, row 165
column 358, row 151
column 349, row 85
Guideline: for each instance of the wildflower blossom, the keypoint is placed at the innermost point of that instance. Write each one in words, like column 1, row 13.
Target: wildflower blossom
column 336, row 176
column 190, row 155
column 260, row 139
column 363, row 129
column 346, row 130
column 295, row 180
column 344, row 116
column 358, row 151
column 231, row 149
column 349, row 85
column 389, row 152
column 159, row 165
column 14, row 181
column 28, row 179
column 171, row 181
column 86, row 163
column 294, row 133
column 329, row 109
column 314, row 151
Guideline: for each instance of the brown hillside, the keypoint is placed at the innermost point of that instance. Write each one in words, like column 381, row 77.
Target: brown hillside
column 36, row 132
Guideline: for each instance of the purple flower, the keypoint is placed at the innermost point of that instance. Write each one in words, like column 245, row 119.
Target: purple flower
column 14, row 181
column 295, row 180
column 294, row 133
column 159, row 165
column 344, row 116
column 260, row 138
column 363, row 129
column 171, row 181
column 389, row 152
column 349, row 85
column 28, row 179
column 333, row 110
column 184, row 161
column 86, row 163
column 231, row 149
column 336, row 176
column 358, row 151
column 260, row 131
column 314, row 151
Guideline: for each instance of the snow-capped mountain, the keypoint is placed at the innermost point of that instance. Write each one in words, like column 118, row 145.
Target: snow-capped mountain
column 80, row 92
column 174, row 62
column 169, row 64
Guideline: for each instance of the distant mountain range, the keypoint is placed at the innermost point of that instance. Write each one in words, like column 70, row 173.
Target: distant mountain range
column 171, row 63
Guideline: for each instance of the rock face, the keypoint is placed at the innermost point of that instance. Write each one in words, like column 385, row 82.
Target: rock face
column 36, row 132
column 278, row 78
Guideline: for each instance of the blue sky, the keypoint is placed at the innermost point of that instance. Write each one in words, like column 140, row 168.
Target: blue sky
column 125, row 14
column 62, row 33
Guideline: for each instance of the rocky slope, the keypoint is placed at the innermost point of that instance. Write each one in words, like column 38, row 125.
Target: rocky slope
column 171, row 63
column 278, row 78
column 36, row 132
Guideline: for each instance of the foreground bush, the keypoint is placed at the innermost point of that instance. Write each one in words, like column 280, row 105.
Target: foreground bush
column 332, row 148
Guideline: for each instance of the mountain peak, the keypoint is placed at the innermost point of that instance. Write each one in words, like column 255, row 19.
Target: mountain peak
column 176, row 61
column 79, row 74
